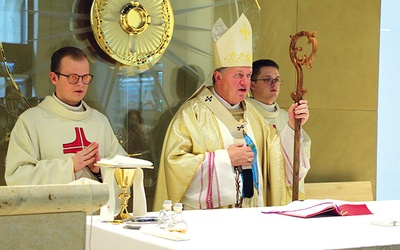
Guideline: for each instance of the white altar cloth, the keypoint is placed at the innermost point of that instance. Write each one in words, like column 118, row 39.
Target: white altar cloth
column 248, row 227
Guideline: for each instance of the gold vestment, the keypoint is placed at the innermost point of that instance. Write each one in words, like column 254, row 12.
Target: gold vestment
column 193, row 131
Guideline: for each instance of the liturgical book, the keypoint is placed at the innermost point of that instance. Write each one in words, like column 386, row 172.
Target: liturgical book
column 311, row 208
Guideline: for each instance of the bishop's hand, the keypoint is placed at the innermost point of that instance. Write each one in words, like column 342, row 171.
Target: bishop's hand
column 240, row 155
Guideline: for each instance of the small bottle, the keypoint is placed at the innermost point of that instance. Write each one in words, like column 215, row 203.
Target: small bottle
column 177, row 224
column 165, row 215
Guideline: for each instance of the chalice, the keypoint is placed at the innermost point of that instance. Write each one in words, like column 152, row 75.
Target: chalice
column 124, row 178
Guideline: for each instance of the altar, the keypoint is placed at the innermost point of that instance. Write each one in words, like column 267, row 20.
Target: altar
column 249, row 227
column 49, row 216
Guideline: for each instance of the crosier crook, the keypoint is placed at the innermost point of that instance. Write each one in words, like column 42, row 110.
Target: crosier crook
column 297, row 96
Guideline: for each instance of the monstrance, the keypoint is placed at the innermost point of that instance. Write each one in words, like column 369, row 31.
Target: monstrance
column 134, row 33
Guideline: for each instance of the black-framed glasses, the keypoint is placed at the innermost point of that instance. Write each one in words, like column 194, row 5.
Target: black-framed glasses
column 74, row 78
column 269, row 80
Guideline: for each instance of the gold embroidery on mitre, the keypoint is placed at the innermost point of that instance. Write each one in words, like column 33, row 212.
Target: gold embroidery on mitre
column 245, row 31
column 242, row 57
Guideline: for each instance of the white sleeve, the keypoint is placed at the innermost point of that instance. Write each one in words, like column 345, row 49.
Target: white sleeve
column 287, row 141
column 213, row 184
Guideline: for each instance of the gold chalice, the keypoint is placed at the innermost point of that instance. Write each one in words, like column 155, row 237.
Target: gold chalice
column 124, row 178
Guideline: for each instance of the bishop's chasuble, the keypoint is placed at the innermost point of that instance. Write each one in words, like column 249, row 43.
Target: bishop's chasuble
column 195, row 167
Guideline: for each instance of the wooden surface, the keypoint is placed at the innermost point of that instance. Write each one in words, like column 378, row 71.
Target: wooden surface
column 348, row 191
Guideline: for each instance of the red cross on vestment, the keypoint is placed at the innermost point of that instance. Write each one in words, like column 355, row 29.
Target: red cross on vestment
column 80, row 142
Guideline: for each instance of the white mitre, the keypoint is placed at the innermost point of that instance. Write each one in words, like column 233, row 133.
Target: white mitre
column 233, row 47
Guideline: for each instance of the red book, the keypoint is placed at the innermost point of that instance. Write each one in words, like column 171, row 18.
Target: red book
column 311, row 208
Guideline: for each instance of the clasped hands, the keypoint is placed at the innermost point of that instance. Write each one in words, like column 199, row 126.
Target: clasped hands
column 87, row 157
column 240, row 155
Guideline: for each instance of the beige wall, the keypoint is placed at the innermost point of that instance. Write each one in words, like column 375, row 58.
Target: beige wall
column 342, row 84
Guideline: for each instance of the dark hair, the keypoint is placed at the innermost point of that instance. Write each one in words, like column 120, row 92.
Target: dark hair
column 133, row 117
column 257, row 65
column 57, row 56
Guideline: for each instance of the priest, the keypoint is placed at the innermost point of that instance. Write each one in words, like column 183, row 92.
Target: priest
column 265, row 88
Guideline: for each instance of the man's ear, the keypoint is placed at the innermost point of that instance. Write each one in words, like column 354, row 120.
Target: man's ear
column 53, row 77
column 217, row 75
column 252, row 85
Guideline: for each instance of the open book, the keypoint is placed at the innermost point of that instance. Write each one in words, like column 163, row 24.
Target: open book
column 311, row 208
column 120, row 161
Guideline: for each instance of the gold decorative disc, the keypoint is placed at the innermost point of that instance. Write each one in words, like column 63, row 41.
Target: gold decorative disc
column 132, row 32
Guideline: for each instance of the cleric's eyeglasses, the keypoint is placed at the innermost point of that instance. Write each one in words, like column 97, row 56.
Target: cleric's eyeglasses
column 74, row 78
column 269, row 80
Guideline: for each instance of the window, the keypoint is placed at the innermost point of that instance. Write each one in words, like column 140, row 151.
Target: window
column 14, row 21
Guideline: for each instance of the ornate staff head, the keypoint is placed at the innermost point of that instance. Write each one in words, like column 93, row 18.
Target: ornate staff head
column 298, row 61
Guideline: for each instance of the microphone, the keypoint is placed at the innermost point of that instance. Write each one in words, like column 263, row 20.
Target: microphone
column 248, row 189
